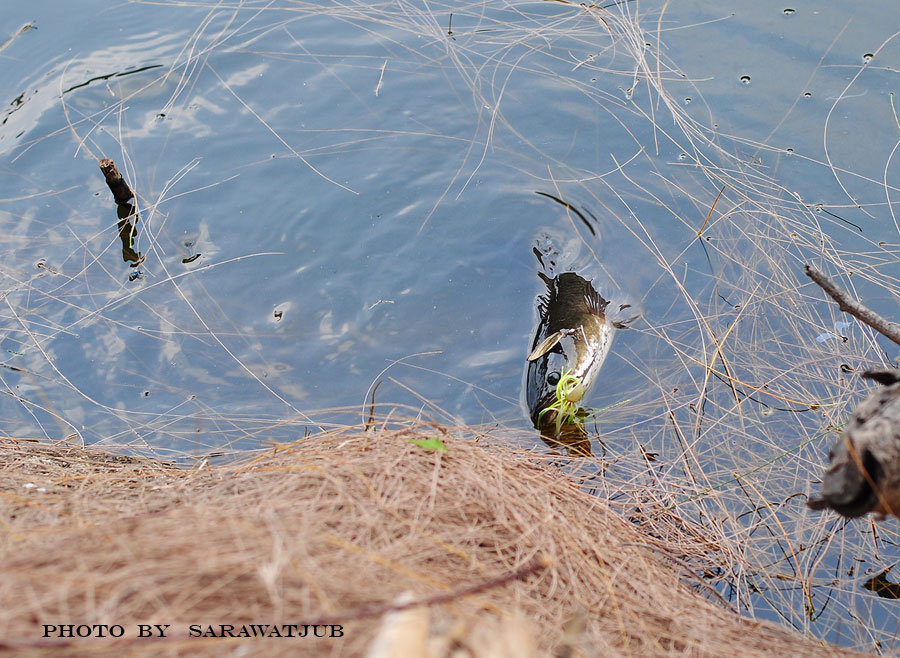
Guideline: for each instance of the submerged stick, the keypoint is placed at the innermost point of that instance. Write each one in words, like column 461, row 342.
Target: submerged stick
column 849, row 305
column 117, row 185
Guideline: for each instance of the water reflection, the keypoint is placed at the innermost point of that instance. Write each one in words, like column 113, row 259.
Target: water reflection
column 882, row 586
column 126, row 210
column 128, row 219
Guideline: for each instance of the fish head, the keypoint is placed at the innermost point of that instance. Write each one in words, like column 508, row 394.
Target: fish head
column 574, row 352
column 542, row 379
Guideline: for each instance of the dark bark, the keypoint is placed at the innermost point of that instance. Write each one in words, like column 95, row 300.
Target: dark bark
column 117, row 185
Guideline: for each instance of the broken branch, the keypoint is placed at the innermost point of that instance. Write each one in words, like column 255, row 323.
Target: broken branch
column 849, row 305
column 117, row 185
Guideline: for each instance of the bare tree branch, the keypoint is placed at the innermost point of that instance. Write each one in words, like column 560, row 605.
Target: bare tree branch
column 849, row 305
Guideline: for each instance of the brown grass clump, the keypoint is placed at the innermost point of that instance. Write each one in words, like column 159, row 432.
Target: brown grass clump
column 334, row 529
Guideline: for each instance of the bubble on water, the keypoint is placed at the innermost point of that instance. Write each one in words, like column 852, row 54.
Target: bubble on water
column 819, row 207
column 868, row 57
column 682, row 157
column 745, row 79
column 688, row 100
column 789, row 151
column 807, row 95
column 788, row 11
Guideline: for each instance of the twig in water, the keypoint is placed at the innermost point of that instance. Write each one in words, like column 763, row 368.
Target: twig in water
column 371, row 420
column 894, row 110
column 821, row 208
column 380, row 78
column 849, row 305
column 572, row 208
column 709, row 214
column 117, row 185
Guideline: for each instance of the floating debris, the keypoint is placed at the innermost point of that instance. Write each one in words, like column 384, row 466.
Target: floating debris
column 838, row 329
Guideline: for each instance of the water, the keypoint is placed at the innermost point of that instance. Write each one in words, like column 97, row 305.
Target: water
column 355, row 192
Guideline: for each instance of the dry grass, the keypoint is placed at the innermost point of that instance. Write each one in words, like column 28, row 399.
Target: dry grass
column 335, row 527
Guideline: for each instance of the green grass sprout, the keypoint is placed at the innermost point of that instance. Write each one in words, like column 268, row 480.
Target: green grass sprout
column 429, row 444
column 569, row 391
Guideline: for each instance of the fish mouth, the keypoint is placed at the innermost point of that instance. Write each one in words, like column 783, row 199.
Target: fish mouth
column 542, row 416
column 542, row 397
column 848, row 490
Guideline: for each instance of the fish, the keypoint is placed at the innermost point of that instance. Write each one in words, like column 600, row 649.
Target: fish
column 572, row 339
column 864, row 464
